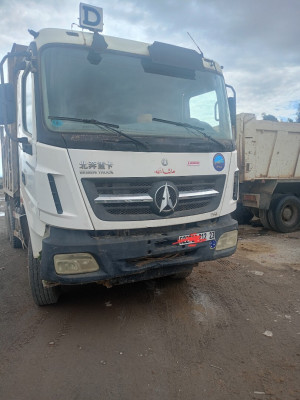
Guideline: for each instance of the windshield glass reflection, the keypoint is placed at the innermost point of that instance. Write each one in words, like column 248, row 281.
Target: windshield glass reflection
column 119, row 91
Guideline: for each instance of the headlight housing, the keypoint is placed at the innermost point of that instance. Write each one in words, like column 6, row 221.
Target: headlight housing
column 227, row 240
column 75, row 263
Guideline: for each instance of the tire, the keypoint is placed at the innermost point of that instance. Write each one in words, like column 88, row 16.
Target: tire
column 285, row 214
column 10, row 221
column 42, row 296
column 264, row 218
column 184, row 274
column 271, row 218
column 242, row 214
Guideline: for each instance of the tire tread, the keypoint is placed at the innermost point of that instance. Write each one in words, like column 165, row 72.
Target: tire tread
column 42, row 296
column 275, row 213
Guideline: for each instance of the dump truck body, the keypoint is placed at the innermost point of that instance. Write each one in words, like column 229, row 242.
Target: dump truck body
column 269, row 164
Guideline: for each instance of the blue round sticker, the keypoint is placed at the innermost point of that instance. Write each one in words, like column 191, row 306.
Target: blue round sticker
column 219, row 162
column 57, row 123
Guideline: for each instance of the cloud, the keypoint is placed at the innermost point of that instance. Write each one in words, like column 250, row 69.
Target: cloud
column 268, row 28
column 268, row 90
column 257, row 41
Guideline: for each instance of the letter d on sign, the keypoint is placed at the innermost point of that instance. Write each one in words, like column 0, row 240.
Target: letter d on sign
column 91, row 17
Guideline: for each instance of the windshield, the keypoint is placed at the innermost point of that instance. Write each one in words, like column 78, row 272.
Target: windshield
column 127, row 91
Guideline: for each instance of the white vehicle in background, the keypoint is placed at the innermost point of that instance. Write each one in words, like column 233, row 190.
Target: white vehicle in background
column 269, row 163
column 119, row 161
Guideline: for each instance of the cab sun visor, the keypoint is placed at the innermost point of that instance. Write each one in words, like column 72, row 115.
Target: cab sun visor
column 180, row 57
column 168, row 70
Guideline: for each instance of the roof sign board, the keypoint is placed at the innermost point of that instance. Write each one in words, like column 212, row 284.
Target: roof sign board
column 91, row 17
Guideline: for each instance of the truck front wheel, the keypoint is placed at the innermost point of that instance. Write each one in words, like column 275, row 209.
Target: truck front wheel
column 41, row 295
column 285, row 213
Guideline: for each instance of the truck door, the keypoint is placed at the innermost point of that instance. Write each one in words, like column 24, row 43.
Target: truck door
column 27, row 152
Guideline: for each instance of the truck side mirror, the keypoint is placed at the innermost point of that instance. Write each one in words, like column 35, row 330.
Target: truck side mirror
column 232, row 105
column 7, row 104
column 232, row 110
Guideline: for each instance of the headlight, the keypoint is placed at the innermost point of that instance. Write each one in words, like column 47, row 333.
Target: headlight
column 227, row 240
column 75, row 263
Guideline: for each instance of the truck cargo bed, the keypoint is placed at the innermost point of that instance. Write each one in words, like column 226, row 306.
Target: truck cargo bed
column 267, row 149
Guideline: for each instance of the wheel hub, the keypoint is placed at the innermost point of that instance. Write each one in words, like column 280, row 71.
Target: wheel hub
column 287, row 213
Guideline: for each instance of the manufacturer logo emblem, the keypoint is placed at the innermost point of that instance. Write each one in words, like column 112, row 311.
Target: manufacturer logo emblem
column 219, row 162
column 164, row 162
column 165, row 198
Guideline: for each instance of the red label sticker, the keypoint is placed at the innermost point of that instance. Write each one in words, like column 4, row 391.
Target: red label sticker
column 191, row 240
column 165, row 172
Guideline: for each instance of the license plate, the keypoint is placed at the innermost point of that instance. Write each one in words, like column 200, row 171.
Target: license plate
column 194, row 238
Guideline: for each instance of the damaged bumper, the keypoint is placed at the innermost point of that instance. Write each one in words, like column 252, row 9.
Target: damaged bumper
column 130, row 256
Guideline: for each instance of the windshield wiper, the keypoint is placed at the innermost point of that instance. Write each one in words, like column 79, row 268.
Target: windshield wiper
column 186, row 125
column 100, row 124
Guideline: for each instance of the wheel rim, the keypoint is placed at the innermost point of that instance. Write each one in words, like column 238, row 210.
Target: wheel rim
column 289, row 215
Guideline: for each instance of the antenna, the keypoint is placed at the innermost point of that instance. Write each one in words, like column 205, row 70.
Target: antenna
column 200, row 51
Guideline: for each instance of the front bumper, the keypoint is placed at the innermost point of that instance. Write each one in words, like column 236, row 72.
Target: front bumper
column 135, row 256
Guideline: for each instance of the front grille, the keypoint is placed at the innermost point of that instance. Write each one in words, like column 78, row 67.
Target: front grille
column 184, row 184
column 126, row 211
column 144, row 209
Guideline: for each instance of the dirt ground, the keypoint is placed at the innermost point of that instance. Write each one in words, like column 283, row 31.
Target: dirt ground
column 229, row 331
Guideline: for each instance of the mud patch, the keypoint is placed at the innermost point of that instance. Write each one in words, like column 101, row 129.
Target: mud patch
column 256, row 247
column 295, row 267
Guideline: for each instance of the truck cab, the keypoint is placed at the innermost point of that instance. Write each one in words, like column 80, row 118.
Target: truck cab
column 127, row 166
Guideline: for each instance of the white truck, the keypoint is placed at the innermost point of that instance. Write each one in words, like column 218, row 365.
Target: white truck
column 119, row 161
column 269, row 164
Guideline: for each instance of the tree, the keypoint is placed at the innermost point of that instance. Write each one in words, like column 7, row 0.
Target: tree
column 269, row 117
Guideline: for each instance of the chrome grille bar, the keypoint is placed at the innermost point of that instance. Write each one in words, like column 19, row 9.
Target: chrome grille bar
column 197, row 194
column 125, row 198
column 145, row 198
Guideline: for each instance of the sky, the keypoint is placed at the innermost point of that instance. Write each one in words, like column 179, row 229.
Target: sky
column 257, row 41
